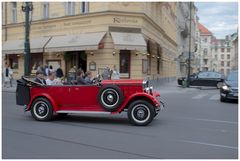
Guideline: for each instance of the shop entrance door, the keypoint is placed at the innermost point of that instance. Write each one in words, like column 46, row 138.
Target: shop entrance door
column 76, row 58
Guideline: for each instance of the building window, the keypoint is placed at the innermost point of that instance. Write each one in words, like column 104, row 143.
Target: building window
column 228, row 56
column 222, row 56
column 45, row 10
column 222, row 63
column 216, row 49
column 14, row 12
column 228, row 50
column 13, row 61
column 228, row 63
column 216, row 56
column 205, row 51
column 222, row 50
column 159, row 58
column 228, row 71
column 222, row 70
column 205, row 39
column 205, row 61
column 84, row 7
column 70, row 8
column 125, row 63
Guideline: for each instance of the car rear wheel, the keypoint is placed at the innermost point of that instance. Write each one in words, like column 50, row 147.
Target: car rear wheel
column 41, row 109
column 141, row 113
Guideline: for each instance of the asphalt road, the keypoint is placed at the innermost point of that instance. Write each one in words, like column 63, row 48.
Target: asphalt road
column 195, row 125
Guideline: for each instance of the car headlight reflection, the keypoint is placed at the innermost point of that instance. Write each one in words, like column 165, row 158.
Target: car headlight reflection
column 226, row 88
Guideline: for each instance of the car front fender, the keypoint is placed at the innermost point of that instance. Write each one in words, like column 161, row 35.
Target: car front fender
column 138, row 96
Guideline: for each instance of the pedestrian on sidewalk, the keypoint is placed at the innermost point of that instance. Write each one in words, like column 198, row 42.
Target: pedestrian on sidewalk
column 115, row 73
column 7, row 76
column 107, row 73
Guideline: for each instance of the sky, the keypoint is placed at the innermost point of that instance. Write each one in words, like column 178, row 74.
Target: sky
column 221, row 18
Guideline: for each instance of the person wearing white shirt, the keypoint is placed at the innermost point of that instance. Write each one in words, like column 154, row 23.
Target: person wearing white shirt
column 51, row 79
column 115, row 73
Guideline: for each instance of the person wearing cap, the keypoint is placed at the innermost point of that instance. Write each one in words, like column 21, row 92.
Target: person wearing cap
column 40, row 77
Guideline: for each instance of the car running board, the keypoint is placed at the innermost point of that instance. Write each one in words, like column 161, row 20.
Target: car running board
column 84, row 112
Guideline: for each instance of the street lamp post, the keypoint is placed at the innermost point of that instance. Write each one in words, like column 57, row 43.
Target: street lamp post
column 189, row 53
column 27, row 7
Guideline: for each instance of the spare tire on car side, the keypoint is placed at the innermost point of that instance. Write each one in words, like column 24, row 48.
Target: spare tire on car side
column 110, row 97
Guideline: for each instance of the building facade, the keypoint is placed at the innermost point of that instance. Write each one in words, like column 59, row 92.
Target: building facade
column 183, row 36
column 138, row 37
column 222, row 55
column 235, row 51
column 205, row 50
column 216, row 54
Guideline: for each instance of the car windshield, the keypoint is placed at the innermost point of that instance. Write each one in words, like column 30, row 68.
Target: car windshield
column 233, row 76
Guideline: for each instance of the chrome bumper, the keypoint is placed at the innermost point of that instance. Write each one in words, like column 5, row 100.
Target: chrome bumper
column 162, row 105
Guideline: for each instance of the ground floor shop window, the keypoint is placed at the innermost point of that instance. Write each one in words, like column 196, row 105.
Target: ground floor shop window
column 144, row 66
column 13, row 61
column 36, row 60
column 125, row 63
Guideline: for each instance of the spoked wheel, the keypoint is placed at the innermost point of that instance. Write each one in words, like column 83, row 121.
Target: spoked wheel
column 41, row 109
column 141, row 113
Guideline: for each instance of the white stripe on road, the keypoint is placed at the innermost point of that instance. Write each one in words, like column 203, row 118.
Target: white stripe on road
column 208, row 144
column 215, row 97
column 199, row 96
column 219, row 121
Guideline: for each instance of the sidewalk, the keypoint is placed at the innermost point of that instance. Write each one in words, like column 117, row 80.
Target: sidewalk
column 10, row 89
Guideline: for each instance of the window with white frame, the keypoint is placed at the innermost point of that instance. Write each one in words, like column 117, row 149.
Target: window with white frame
column 70, row 8
column 46, row 10
column 14, row 12
column 84, row 7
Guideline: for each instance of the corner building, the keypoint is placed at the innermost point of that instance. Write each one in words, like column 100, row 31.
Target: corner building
column 138, row 37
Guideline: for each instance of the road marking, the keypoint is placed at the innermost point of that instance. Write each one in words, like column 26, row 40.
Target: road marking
column 199, row 96
column 208, row 144
column 219, row 121
column 215, row 97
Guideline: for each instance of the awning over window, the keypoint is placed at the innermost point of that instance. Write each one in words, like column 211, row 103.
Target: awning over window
column 129, row 41
column 17, row 46
column 88, row 41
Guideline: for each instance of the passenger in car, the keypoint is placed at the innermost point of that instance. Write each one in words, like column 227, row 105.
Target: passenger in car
column 51, row 79
column 80, row 79
column 40, row 77
column 88, row 77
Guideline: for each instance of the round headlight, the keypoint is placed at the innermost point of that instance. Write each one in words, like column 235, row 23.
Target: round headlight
column 145, row 83
column 151, row 90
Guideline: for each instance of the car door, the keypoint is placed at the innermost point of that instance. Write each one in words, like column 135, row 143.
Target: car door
column 84, row 97
column 214, row 78
column 200, row 79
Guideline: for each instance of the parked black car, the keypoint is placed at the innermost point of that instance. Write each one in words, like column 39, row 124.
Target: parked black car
column 212, row 79
column 229, row 90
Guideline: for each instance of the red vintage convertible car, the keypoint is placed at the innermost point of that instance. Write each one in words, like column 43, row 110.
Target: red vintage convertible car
column 107, row 96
